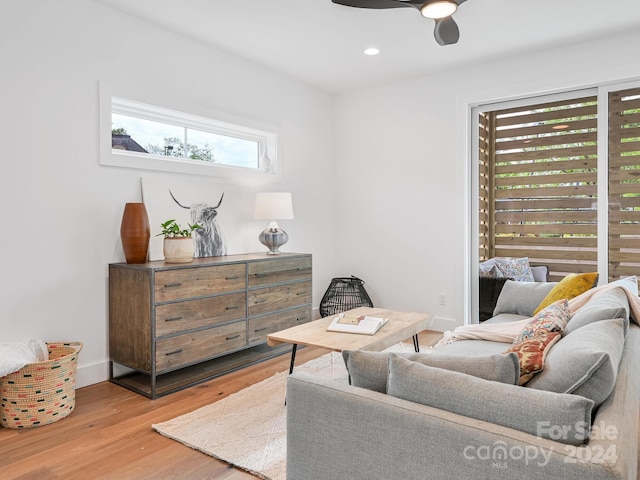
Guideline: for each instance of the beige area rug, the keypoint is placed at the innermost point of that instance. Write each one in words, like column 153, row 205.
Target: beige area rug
column 248, row 429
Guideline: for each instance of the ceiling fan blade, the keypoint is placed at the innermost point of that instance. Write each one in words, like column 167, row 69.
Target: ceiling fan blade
column 373, row 3
column 446, row 31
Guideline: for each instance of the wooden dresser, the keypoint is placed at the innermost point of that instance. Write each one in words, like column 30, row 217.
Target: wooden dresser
column 176, row 325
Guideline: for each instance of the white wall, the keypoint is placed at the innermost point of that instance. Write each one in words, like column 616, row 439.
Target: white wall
column 62, row 211
column 403, row 187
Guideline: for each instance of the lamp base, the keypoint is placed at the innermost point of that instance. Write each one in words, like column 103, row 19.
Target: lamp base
column 273, row 237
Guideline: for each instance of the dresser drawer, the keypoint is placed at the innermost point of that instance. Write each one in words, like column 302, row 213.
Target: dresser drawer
column 279, row 270
column 265, row 300
column 194, row 282
column 180, row 316
column 260, row 327
column 193, row 347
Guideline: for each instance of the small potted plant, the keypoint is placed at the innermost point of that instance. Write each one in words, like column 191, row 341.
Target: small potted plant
column 178, row 243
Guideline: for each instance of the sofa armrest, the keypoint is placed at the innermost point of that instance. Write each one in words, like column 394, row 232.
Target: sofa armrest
column 339, row 431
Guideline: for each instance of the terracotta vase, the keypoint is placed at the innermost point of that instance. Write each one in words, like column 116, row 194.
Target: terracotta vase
column 135, row 232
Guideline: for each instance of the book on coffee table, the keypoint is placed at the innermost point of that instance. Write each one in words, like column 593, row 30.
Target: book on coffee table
column 363, row 325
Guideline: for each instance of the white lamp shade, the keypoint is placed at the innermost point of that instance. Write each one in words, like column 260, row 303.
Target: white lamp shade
column 273, row 206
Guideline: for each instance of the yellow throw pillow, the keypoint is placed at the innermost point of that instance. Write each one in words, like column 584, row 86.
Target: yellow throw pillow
column 569, row 287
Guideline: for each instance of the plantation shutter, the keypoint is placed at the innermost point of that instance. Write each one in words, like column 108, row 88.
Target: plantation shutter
column 624, row 183
column 544, row 160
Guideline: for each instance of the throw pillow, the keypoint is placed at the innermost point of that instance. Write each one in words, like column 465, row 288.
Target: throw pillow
column 521, row 298
column 628, row 283
column 370, row 369
column 537, row 337
column 540, row 273
column 602, row 306
column 489, row 271
column 584, row 363
column 554, row 318
column 516, row 268
column 499, row 403
column 569, row 287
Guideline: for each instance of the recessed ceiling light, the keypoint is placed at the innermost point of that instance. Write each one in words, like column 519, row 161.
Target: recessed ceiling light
column 372, row 51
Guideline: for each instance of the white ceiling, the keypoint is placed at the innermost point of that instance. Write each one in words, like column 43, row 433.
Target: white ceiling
column 321, row 43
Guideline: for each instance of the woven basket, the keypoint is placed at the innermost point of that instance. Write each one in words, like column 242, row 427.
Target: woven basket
column 43, row 392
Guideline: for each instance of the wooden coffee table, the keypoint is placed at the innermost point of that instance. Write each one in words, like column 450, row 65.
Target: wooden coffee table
column 401, row 325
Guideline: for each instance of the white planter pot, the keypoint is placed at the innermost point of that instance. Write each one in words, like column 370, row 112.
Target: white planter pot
column 178, row 250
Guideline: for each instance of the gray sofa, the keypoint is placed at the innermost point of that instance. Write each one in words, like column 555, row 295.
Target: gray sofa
column 476, row 426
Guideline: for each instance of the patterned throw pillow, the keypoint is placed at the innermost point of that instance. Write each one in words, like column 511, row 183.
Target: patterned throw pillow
column 537, row 337
column 569, row 287
column 516, row 268
column 553, row 318
column 489, row 271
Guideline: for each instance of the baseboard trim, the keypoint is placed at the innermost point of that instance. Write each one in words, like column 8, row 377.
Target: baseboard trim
column 91, row 374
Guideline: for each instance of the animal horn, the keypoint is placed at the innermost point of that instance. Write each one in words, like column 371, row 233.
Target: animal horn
column 174, row 199
column 220, row 202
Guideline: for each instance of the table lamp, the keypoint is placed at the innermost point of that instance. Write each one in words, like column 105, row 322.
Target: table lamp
column 273, row 206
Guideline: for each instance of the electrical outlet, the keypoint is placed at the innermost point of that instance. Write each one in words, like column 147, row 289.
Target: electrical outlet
column 442, row 299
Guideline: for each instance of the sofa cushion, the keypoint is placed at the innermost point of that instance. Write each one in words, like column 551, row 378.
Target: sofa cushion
column 523, row 409
column 540, row 273
column 516, row 268
column 369, row 369
column 569, row 287
column 537, row 337
column 585, row 362
column 472, row 348
column 610, row 304
column 522, row 298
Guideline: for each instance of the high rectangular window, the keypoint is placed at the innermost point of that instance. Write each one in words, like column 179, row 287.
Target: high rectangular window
column 156, row 138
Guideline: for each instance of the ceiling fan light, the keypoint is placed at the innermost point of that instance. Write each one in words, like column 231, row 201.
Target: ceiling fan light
column 438, row 8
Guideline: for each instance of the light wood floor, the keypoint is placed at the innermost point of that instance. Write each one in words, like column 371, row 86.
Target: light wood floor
column 109, row 434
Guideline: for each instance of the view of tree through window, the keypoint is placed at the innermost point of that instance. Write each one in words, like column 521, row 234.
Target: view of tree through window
column 144, row 134
column 148, row 136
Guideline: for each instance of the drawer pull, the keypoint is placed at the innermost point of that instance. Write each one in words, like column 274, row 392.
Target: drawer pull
column 231, row 337
column 174, row 352
column 169, row 285
column 261, row 329
column 260, row 301
column 172, row 319
column 232, row 307
column 232, row 278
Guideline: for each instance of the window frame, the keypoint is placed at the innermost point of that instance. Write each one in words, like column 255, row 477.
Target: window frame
column 266, row 136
